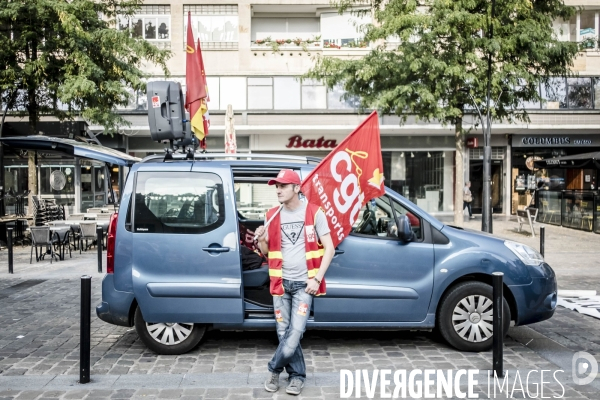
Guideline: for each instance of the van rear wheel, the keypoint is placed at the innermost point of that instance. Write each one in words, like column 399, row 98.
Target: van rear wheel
column 168, row 338
column 465, row 317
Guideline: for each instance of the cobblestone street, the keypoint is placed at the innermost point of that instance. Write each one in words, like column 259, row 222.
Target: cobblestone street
column 39, row 340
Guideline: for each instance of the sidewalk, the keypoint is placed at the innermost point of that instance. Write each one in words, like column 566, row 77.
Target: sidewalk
column 39, row 340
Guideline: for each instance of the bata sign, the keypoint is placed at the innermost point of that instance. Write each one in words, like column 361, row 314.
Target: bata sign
column 296, row 142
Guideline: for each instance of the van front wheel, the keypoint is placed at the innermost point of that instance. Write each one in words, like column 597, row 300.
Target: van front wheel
column 465, row 317
column 168, row 338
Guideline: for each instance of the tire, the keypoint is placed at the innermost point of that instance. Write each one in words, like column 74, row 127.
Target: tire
column 171, row 338
column 461, row 325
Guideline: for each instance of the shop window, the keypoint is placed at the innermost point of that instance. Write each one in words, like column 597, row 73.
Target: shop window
column 178, row 202
column 423, row 177
column 580, row 93
column 287, row 93
column 260, row 93
column 152, row 23
column 314, row 95
column 217, row 26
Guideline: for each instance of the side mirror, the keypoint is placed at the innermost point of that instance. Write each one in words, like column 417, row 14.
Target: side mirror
column 401, row 229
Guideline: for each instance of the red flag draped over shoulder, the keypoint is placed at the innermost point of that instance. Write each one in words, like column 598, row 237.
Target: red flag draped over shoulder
column 347, row 178
column 195, row 85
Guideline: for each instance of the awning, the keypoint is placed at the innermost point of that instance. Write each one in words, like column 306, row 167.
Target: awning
column 586, row 160
column 70, row 147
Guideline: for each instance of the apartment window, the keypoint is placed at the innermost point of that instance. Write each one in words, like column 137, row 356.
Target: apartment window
column 260, row 93
column 233, row 91
column 555, row 93
column 217, row 26
column 579, row 93
column 343, row 30
column 314, row 95
column 152, row 23
column 284, row 28
column 286, row 92
column 336, row 102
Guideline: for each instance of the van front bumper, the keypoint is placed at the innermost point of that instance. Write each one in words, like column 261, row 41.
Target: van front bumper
column 115, row 307
column 537, row 301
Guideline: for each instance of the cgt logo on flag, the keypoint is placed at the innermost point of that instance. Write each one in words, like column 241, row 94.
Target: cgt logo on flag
column 347, row 178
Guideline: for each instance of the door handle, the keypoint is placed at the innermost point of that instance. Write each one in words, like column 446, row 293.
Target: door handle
column 337, row 251
column 216, row 249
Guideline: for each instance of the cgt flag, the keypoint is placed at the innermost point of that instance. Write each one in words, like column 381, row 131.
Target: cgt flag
column 347, row 178
column 195, row 95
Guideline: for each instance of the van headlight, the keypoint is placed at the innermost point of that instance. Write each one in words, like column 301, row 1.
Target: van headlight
column 525, row 253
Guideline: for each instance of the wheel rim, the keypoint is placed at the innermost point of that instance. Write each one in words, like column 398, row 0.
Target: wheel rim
column 472, row 318
column 170, row 334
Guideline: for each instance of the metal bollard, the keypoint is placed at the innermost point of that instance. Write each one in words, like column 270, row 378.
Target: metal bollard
column 84, row 333
column 542, row 239
column 99, row 245
column 9, row 244
column 498, row 335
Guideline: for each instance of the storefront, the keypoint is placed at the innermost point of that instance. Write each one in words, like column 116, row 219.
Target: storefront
column 552, row 183
column 419, row 167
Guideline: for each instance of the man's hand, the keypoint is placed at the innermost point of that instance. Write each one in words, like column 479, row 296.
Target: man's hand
column 260, row 233
column 260, row 238
column 311, row 286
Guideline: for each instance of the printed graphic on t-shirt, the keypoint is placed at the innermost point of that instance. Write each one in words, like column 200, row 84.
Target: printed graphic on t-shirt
column 292, row 230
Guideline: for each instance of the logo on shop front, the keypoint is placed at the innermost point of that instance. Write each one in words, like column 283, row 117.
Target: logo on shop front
column 296, row 142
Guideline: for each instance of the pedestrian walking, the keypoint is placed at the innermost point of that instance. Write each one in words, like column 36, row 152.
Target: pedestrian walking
column 299, row 247
column 468, row 199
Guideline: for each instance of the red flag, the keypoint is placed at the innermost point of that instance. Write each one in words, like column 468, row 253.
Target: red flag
column 204, row 107
column 347, row 178
column 196, row 89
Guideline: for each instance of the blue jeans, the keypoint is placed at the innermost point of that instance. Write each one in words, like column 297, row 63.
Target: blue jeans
column 291, row 313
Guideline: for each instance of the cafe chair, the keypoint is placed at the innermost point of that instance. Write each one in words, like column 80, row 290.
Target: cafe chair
column 40, row 237
column 587, row 215
column 548, row 212
column 62, row 239
column 87, row 232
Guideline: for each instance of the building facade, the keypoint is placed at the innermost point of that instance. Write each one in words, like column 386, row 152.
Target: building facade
column 254, row 53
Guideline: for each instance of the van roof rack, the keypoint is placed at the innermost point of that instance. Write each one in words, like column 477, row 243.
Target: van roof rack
column 236, row 157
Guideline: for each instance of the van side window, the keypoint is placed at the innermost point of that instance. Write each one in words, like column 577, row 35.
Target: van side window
column 374, row 218
column 178, row 202
column 415, row 221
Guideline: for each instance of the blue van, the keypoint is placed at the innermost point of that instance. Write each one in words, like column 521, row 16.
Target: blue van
column 174, row 262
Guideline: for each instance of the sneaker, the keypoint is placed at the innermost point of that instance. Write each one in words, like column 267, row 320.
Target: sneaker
column 272, row 382
column 295, row 386
column 472, row 217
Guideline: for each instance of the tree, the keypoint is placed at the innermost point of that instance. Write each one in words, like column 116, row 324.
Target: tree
column 66, row 59
column 443, row 49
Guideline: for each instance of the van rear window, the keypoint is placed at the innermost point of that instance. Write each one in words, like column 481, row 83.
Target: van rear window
column 178, row 202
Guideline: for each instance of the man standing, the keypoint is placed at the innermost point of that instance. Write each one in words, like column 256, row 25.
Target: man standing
column 468, row 199
column 299, row 249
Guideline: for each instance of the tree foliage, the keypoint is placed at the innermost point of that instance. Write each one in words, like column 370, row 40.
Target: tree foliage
column 430, row 57
column 66, row 59
column 444, row 46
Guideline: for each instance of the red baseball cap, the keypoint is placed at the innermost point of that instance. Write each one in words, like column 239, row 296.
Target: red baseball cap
column 286, row 176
